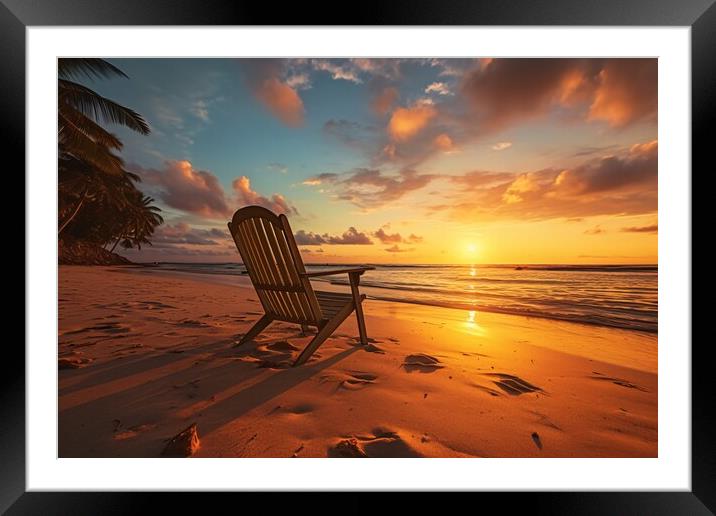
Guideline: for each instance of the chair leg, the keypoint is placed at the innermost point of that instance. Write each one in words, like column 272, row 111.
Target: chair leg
column 257, row 328
column 323, row 333
column 361, row 325
column 357, row 300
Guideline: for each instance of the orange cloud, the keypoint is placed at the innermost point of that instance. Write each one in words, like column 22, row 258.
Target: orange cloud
column 246, row 196
column 182, row 186
column 199, row 192
column 384, row 100
column 596, row 230
column 510, row 91
column 282, row 101
column 264, row 78
column 645, row 148
column 387, row 238
column 396, row 238
column 443, row 142
column 350, row 237
column 397, row 249
column 625, row 183
column 168, row 235
column 370, row 188
column 407, row 122
column 654, row 228
column 637, row 166
column 524, row 184
column 627, row 91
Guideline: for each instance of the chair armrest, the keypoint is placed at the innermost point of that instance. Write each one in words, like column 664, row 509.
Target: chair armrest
column 354, row 270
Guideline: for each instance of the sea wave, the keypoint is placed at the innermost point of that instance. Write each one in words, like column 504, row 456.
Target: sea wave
column 620, row 296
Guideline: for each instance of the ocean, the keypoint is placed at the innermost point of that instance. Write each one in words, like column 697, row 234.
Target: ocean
column 620, row 296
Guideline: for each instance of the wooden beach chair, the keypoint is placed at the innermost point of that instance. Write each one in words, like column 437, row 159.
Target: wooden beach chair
column 270, row 254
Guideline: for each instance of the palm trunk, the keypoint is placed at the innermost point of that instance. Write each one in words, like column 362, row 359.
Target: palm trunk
column 74, row 214
column 115, row 244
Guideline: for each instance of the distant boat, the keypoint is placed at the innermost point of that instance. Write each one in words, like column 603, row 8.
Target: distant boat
column 519, row 268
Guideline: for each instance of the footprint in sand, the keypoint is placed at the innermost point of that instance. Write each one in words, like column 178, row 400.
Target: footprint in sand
column 296, row 410
column 282, row 346
column 192, row 323
column 72, row 362
column 546, row 421
column 422, row 363
column 150, row 305
column 473, row 354
column 513, row 385
column 109, row 327
column 269, row 360
column 349, row 380
column 616, row 381
column 491, row 392
column 132, row 431
column 383, row 443
column 275, row 355
column 267, row 363
column 536, row 439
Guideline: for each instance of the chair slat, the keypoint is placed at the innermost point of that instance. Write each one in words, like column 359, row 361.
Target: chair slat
column 246, row 257
column 300, row 269
column 269, row 266
column 290, row 299
column 300, row 301
column 250, row 242
column 281, row 238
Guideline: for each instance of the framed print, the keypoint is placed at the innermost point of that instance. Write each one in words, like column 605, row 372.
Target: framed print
column 455, row 240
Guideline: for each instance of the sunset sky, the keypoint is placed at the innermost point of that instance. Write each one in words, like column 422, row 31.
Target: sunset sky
column 400, row 161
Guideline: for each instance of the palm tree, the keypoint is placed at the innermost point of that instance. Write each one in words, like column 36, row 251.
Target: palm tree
column 139, row 223
column 86, row 149
column 81, row 110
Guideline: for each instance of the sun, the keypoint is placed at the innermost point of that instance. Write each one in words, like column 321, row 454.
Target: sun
column 471, row 248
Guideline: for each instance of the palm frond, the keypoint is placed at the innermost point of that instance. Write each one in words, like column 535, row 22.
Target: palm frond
column 84, row 149
column 75, row 68
column 76, row 125
column 134, row 177
column 99, row 108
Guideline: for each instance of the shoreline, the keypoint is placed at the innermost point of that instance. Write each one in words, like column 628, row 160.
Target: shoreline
column 244, row 282
column 155, row 355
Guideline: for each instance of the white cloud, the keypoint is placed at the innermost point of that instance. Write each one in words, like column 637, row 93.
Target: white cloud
column 200, row 109
column 438, row 87
column 501, row 146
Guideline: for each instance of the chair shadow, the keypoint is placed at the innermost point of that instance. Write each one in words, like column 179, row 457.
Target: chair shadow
column 86, row 425
column 222, row 413
column 122, row 367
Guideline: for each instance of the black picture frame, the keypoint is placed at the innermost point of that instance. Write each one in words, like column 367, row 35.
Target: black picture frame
column 17, row 15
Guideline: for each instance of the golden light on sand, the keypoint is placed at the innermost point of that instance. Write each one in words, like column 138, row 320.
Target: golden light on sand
column 472, row 326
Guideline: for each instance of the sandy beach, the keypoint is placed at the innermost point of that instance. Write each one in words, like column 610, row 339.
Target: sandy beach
column 144, row 355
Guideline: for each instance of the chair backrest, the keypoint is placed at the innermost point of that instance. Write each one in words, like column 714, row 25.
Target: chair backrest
column 271, row 257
